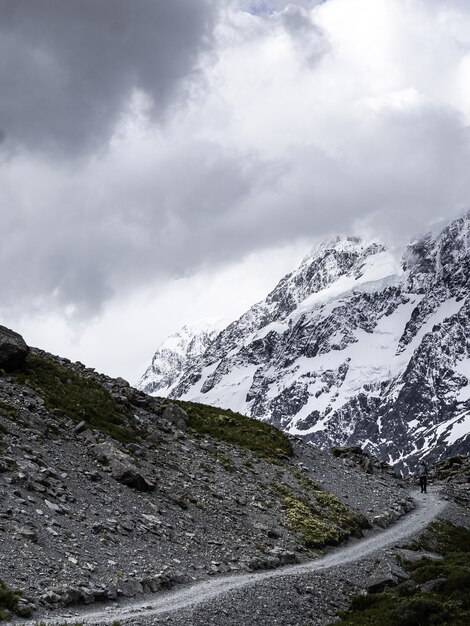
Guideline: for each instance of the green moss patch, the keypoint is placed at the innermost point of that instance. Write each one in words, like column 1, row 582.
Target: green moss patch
column 445, row 601
column 78, row 397
column 326, row 522
column 262, row 439
column 323, row 519
column 387, row 609
column 304, row 519
column 444, row 538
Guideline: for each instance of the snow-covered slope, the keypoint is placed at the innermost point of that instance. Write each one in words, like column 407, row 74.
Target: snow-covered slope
column 176, row 353
column 353, row 347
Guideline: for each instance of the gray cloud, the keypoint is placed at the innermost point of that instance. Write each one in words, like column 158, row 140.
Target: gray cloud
column 236, row 169
column 69, row 67
column 309, row 39
column 263, row 7
column 208, row 206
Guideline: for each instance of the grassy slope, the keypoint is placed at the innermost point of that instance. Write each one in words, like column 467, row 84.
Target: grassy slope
column 77, row 397
column 250, row 434
column 408, row 604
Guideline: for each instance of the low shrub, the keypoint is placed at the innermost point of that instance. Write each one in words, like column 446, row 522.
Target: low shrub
column 8, row 410
column 304, row 519
column 9, row 603
column 327, row 522
column 448, row 604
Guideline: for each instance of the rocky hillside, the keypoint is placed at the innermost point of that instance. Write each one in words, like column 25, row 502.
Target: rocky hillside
column 106, row 492
column 353, row 348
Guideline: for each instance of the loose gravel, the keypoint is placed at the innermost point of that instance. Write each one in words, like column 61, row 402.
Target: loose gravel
column 306, row 594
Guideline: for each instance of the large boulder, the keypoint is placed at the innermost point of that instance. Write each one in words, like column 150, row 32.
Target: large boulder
column 386, row 574
column 176, row 416
column 122, row 468
column 13, row 349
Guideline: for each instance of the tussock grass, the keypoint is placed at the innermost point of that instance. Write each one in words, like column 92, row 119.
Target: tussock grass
column 78, row 397
column 262, row 439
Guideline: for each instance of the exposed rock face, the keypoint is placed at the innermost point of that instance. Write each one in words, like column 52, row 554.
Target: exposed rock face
column 354, row 348
column 13, row 349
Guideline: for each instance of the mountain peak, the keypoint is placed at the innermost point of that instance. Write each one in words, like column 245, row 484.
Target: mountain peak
column 349, row 349
column 176, row 353
column 336, row 242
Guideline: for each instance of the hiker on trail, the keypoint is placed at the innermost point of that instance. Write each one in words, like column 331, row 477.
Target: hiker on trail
column 423, row 475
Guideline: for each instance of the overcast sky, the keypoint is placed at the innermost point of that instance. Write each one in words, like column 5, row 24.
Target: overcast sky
column 162, row 161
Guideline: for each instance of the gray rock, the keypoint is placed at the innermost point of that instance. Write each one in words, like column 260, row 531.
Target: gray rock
column 432, row 586
column 28, row 533
column 111, row 592
column 410, row 556
column 176, row 416
column 51, row 597
column 151, row 585
column 131, row 588
column 13, row 349
column 388, row 574
column 136, row 450
column 79, row 428
column 134, row 479
column 25, row 605
column 52, row 506
column 121, row 382
column 385, row 519
column 122, row 468
column 286, row 557
column 71, row 596
column 88, row 596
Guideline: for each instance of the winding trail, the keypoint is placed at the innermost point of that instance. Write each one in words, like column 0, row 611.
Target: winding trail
column 427, row 508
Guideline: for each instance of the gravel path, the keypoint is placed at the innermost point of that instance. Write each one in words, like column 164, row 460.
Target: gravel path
column 320, row 586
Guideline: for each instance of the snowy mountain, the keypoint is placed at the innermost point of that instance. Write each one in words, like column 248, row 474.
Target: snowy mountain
column 352, row 347
column 176, row 353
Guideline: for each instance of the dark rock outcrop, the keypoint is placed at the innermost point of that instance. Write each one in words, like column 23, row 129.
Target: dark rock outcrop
column 13, row 349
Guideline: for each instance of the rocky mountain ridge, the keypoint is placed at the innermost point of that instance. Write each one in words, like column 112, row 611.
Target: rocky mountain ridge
column 176, row 353
column 108, row 493
column 353, row 348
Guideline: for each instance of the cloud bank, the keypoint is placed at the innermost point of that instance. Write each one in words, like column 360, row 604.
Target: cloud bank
column 147, row 141
column 69, row 68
